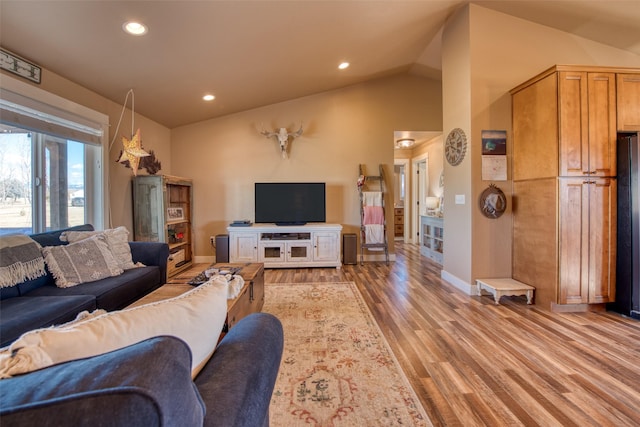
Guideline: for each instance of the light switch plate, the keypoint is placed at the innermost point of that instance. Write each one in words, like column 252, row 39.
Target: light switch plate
column 459, row 199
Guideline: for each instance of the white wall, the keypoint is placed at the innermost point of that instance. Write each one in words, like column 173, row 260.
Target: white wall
column 342, row 129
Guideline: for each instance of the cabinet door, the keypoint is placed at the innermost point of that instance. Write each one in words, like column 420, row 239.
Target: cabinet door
column 587, row 240
column 271, row 252
column 602, row 240
column 148, row 209
column 602, row 124
column 243, row 248
column 574, row 125
column 325, row 247
column 628, row 101
column 573, row 238
column 587, row 128
column 298, row 251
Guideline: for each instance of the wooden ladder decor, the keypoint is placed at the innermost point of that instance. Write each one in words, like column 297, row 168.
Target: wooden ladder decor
column 373, row 224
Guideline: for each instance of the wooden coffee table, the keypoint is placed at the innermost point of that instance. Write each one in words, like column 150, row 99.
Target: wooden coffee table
column 251, row 297
column 249, row 300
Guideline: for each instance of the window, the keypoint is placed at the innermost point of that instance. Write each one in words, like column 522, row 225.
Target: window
column 50, row 162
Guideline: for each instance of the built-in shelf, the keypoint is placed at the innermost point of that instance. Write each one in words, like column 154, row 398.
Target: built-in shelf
column 431, row 237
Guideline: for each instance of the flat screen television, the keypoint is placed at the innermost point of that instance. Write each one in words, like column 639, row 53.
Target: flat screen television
column 290, row 203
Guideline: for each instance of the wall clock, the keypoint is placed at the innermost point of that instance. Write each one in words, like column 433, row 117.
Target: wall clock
column 455, row 147
column 19, row 66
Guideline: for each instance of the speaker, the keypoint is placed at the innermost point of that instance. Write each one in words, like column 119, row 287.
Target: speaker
column 222, row 248
column 349, row 249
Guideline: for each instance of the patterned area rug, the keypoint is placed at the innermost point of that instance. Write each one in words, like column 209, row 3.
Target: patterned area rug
column 337, row 368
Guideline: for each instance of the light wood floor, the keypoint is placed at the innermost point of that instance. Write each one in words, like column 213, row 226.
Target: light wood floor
column 473, row 363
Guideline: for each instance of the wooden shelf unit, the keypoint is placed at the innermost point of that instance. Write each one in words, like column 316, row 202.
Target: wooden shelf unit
column 162, row 211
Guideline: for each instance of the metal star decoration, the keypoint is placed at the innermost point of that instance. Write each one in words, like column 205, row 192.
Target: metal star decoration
column 132, row 151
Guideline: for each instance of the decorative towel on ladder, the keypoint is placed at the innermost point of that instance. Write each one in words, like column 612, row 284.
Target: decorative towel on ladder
column 371, row 198
column 373, row 217
column 374, row 234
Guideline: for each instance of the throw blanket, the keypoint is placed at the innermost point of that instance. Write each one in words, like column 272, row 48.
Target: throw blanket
column 374, row 234
column 372, row 215
column 20, row 260
column 372, row 198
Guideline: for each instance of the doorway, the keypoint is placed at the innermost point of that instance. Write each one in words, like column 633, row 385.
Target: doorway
column 420, row 184
column 402, row 200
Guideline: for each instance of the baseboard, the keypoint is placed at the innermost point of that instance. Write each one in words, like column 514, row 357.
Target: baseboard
column 577, row 308
column 458, row 283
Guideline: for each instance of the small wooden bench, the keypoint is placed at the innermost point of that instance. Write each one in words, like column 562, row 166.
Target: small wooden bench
column 505, row 287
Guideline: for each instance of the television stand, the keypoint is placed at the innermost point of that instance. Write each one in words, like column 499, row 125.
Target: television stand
column 286, row 246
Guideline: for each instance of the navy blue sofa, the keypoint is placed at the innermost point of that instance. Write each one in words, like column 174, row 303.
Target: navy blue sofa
column 149, row 384
column 39, row 303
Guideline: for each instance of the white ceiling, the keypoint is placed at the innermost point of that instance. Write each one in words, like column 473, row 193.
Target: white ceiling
column 255, row 53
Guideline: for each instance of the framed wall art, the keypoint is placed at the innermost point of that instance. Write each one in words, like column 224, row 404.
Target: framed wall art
column 175, row 214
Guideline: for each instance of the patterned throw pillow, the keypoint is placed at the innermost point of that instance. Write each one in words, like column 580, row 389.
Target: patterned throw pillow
column 117, row 239
column 84, row 261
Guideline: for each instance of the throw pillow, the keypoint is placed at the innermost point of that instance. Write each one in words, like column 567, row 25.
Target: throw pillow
column 196, row 317
column 117, row 239
column 80, row 262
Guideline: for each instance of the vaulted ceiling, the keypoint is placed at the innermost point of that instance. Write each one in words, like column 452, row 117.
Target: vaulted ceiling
column 255, row 53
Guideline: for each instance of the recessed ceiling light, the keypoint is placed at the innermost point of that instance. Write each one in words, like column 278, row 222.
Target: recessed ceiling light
column 343, row 65
column 208, row 97
column 134, row 28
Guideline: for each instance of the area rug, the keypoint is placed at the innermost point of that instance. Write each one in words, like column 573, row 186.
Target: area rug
column 337, row 368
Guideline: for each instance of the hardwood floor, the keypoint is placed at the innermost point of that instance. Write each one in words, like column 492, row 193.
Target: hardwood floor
column 473, row 363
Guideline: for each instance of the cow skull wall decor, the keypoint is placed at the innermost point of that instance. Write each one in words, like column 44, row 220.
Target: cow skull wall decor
column 283, row 138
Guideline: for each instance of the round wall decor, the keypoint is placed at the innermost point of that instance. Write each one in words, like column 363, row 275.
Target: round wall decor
column 492, row 202
column 455, row 146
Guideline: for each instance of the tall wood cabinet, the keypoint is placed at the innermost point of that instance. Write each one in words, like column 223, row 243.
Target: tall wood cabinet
column 564, row 201
column 162, row 212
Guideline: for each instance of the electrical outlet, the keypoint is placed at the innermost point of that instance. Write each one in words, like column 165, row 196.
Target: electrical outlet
column 212, row 240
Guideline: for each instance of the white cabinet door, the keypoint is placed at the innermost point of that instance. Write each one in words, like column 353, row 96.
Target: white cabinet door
column 299, row 251
column 271, row 252
column 244, row 248
column 326, row 246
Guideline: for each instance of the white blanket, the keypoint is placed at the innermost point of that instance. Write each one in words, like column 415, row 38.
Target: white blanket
column 374, row 233
column 372, row 198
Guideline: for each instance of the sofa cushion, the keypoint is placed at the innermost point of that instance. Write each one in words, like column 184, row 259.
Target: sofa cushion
column 117, row 239
column 10, row 292
column 84, row 261
column 112, row 293
column 21, row 314
column 52, row 238
column 197, row 317
column 146, row 384
column 252, row 350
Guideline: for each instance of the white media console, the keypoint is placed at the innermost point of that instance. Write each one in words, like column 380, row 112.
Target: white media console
column 311, row 245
